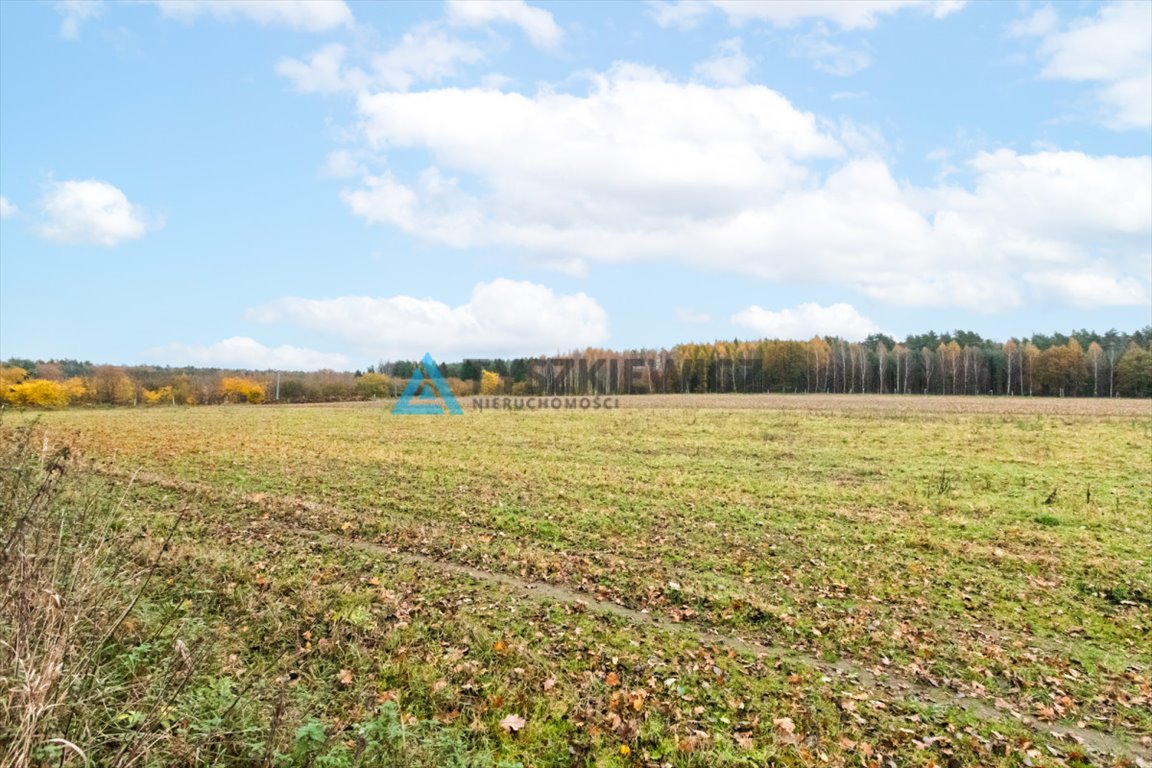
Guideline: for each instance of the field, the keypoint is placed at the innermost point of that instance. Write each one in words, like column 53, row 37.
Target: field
column 683, row 581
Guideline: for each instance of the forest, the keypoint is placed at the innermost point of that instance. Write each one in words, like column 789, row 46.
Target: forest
column 1080, row 364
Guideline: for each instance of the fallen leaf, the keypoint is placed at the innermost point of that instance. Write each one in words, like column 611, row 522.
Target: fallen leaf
column 785, row 729
column 513, row 723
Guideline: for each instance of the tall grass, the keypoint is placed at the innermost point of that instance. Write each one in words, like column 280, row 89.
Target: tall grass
column 70, row 577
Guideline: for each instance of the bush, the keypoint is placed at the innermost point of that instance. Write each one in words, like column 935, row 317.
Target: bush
column 162, row 395
column 459, row 387
column 373, row 385
column 237, row 390
column 38, row 393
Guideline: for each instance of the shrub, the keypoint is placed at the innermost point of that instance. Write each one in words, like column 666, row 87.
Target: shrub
column 38, row 393
column 236, row 390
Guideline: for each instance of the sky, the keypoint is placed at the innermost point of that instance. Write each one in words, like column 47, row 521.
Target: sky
column 305, row 185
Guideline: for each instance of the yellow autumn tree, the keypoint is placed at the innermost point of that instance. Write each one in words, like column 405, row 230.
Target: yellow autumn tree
column 159, row 396
column 237, row 390
column 491, row 383
column 77, row 389
column 10, row 375
column 38, row 393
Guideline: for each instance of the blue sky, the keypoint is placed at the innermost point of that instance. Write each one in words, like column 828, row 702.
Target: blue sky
column 283, row 184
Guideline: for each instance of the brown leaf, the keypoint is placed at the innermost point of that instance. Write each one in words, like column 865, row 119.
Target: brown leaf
column 345, row 677
column 785, row 729
column 513, row 723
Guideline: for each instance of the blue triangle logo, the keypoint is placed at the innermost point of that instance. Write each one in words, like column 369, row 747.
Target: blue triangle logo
column 427, row 394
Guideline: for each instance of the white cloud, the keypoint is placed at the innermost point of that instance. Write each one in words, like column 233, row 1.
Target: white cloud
column 845, row 14
column 1057, row 196
column 75, row 13
column 639, row 149
column 807, row 320
column 323, row 72
column 91, row 212
column 426, row 53
column 7, row 209
column 1089, row 289
column 729, row 66
column 306, row 15
column 243, row 352
column 737, row 179
column 538, row 24
column 502, row 317
column 1112, row 49
column 690, row 316
column 1041, row 22
column 683, row 14
column 815, row 18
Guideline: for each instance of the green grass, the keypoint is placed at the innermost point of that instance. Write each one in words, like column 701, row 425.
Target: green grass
column 1003, row 557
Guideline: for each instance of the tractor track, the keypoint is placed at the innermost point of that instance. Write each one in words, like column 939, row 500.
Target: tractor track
column 1095, row 741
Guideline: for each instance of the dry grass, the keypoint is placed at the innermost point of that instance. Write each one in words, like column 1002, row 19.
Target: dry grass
column 70, row 580
column 1000, row 559
column 896, row 404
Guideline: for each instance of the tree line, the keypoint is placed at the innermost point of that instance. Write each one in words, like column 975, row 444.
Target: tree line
column 59, row 383
column 1080, row 364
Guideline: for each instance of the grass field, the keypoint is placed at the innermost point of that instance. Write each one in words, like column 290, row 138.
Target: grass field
column 711, row 581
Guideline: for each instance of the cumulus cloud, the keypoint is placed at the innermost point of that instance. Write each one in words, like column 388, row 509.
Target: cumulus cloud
column 243, row 352
column 730, row 66
column 857, row 14
column 538, row 24
column 1089, row 289
column 91, row 212
column 807, row 320
column 502, row 317
column 735, row 178
column 7, row 209
column 1111, row 49
column 306, row 15
column 638, row 148
column 425, row 54
column 75, row 13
